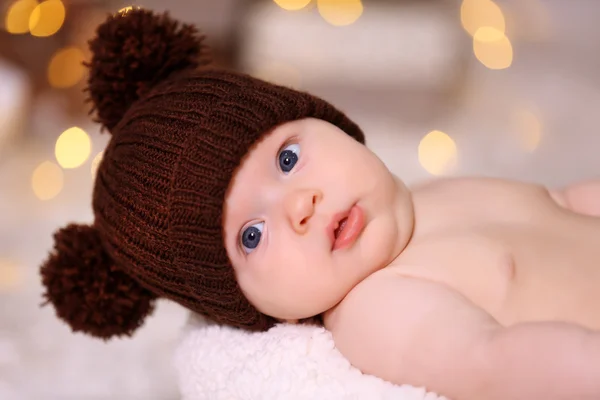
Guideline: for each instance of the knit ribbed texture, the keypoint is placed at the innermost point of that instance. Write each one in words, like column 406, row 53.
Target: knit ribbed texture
column 179, row 131
column 161, row 189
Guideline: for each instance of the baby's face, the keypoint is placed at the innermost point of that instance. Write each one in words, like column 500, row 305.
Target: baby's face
column 282, row 210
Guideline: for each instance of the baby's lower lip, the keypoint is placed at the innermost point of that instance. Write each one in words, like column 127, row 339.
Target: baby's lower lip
column 354, row 225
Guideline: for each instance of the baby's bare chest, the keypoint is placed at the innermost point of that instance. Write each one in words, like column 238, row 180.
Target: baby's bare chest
column 514, row 274
column 529, row 262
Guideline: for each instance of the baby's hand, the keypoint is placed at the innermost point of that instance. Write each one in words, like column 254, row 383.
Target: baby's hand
column 411, row 331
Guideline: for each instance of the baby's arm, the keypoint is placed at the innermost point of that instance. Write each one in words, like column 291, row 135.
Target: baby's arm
column 582, row 197
column 411, row 331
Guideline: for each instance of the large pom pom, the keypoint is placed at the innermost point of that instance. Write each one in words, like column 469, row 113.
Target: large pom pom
column 133, row 51
column 88, row 291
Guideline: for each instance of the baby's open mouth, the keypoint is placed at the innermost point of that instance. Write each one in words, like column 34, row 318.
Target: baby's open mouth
column 347, row 228
column 340, row 227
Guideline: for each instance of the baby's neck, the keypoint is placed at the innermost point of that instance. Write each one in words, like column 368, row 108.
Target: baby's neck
column 404, row 219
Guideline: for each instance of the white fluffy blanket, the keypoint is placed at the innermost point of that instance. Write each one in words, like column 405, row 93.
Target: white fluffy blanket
column 294, row 362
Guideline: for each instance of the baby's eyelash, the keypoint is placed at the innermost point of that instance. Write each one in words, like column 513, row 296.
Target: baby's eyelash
column 291, row 140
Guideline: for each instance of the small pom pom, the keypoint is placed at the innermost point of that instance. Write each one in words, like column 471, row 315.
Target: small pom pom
column 131, row 53
column 88, row 291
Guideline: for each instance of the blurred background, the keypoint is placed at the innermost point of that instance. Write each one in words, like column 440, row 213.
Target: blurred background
column 441, row 87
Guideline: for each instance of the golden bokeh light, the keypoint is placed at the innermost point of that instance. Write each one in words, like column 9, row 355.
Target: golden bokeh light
column 292, row 5
column 492, row 48
column 96, row 163
column 47, row 180
column 66, row 68
column 17, row 16
column 47, row 18
column 528, row 129
column 340, row 12
column 125, row 10
column 10, row 275
column 73, row 148
column 437, row 153
column 475, row 14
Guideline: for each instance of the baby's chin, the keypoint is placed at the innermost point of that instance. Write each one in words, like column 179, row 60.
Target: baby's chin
column 307, row 314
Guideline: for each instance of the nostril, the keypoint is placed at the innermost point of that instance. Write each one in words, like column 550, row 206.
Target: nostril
column 314, row 200
column 304, row 220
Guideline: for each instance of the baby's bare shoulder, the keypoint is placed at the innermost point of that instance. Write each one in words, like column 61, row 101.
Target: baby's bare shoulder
column 400, row 328
column 460, row 199
column 413, row 299
column 469, row 183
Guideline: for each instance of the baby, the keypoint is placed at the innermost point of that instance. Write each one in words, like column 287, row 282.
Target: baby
column 254, row 204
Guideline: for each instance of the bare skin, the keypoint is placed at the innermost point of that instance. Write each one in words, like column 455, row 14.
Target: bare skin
column 499, row 297
column 512, row 249
column 475, row 288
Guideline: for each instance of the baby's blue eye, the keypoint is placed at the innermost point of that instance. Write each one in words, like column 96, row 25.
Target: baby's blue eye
column 288, row 157
column 251, row 237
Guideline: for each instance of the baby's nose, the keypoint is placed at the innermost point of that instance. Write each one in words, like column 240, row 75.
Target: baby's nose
column 300, row 207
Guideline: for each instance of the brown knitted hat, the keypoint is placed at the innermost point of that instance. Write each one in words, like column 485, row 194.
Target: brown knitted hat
column 180, row 128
